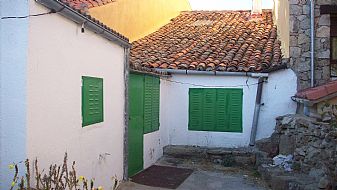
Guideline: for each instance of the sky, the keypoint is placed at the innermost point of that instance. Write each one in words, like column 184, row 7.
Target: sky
column 227, row 4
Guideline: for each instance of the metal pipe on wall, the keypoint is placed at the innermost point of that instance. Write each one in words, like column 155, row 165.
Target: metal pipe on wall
column 217, row 73
column 256, row 111
column 312, row 43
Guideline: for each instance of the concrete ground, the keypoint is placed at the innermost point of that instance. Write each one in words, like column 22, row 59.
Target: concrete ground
column 207, row 180
column 207, row 176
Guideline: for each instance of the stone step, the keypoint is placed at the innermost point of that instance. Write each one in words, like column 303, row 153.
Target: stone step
column 224, row 156
column 277, row 179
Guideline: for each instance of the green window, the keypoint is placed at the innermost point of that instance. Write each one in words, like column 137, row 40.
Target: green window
column 92, row 100
column 151, row 103
column 215, row 109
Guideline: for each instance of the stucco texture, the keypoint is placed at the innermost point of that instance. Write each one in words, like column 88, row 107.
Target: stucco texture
column 59, row 55
column 281, row 19
column 13, row 64
column 136, row 19
column 275, row 98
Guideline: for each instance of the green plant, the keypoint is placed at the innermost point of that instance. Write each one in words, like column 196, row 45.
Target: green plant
column 58, row 177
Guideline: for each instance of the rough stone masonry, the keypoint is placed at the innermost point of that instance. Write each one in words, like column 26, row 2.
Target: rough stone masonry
column 313, row 144
column 299, row 12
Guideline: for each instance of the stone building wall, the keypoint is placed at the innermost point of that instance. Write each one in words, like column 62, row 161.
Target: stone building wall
column 299, row 11
column 313, row 145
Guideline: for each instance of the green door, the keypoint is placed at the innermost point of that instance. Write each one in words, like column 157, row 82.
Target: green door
column 136, row 123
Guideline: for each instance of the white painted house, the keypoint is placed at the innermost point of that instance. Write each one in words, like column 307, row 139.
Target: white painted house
column 62, row 89
column 225, row 81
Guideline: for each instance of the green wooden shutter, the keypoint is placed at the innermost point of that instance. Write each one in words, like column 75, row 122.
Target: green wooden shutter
column 209, row 113
column 155, row 103
column 148, row 103
column 92, row 100
column 235, row 111
column 215, row 109
column 195, row 108
column 221, row 110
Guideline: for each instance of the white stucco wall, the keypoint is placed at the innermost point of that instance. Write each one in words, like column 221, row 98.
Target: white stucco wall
column 155, row 141
column 59, row 55
column 276, row 99
column 153, row 148
column 13, row 63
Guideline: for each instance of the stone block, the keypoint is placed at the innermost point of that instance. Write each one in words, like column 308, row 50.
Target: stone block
column 302, row 38
column 306, row 9
column 323, row 183
column 324, row 2
column 294, row 24
column 304, row 66
column 293, row 41
column 323, row 54
column 324, row 20
column 305, row 23
column 323, row 31
column 295, row 51
column 287, row 145
column 295, row 9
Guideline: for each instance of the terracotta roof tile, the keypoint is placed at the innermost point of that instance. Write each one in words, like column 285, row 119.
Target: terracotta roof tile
column 208, row 40
column 318, row 92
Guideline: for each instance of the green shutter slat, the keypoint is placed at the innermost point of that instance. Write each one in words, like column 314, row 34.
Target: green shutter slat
column 235, row 116
column 215, row 109
column 209, row 116
column 92, row 100
column 147, row 104
column 155, row 103
column 195, row 108
column 221, row 110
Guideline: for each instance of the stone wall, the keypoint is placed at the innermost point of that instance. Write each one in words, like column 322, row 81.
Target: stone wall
column 313, row 145
column 299, row 11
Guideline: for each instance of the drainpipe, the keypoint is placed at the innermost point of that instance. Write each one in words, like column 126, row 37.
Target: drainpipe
column 126, row 111
column 312, row 38
column 256, row 111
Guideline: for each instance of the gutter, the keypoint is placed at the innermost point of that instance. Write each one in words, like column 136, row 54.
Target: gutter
column 309, row 103
column 217, row 73
column 312, row 43
column 85, row 21
column 256, row 111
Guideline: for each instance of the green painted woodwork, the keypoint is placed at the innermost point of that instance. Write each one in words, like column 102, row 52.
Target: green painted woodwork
column 136, row 124
column 155, row 103
column 215, row 109
column 148, row 104
column 151, row 104
column 92, row 100
column 143, row 116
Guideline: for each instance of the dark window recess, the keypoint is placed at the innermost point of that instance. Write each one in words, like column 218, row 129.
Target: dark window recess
column 333, row 47
column 92, row 100
column 215, row 109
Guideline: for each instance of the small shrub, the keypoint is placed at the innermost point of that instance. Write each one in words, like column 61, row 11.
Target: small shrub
column 58, row 177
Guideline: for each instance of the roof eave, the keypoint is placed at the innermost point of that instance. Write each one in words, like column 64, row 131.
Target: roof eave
column 88, row 23
column 308, row 102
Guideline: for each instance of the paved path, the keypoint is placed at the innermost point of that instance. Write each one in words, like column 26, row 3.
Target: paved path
column 207, row 180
